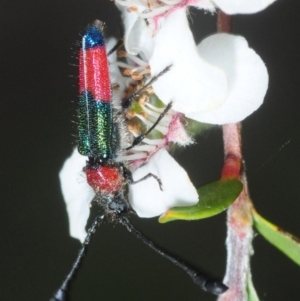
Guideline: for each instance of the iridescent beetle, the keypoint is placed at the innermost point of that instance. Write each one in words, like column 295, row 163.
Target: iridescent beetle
column 100, row 138
column 100, row 125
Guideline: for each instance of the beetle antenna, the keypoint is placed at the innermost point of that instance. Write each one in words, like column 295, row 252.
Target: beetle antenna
column 209, row 285
column 117, row 46
column 62, row 292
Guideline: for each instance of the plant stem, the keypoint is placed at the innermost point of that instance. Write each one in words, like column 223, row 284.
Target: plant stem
column 239, row 218
column 224, row 22
column 239, row 223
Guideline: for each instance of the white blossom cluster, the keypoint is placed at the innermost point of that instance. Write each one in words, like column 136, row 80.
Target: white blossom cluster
column 219, row 81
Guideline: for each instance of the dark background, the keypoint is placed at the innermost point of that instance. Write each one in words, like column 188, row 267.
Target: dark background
column 37, row 105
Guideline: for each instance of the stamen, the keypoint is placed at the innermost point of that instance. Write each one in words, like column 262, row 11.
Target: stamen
column 150, row 90
column 130, row 114
column 129, row 90
column 126, row 72
column 142, row 100
column 136, row 75
column 138, row 69
column 145, row 115
column 132, row 9
column 154, row 108
column 166, row 120
column 145, row 72
column 137, row 60
column 134, row 129
column 121, row 54
column 149, row 5
column 139, row 86
column 115, row 86
column 122, row 65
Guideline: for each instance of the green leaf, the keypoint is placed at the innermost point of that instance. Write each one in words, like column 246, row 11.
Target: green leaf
column 252, row 294
column 214, row 198
column 284, row 241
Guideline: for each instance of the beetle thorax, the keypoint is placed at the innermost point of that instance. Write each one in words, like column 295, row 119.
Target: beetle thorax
column 104, row 179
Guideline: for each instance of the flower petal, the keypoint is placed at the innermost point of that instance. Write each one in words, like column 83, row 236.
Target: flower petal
column 77, row 194
column 148, row 200
column 192, row 84
column 247, row 77
column 138, row 35
column 242, row 6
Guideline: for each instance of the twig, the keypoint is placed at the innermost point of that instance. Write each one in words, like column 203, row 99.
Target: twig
column 239, row 218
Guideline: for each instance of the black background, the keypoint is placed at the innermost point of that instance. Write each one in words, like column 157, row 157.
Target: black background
column 37, row 105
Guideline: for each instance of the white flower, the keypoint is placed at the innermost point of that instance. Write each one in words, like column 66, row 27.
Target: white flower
column 151, row 152
column 220, row 81
column 145, row 197
column 246, row 73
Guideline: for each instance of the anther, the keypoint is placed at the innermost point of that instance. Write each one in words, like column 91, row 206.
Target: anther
column 121, row 53
column 126, row 72
column 150, row 90
column 149, row 4
column 143, row 99
column 130, row 114
column 136, row 76
column 132, row 9
column 115, row 87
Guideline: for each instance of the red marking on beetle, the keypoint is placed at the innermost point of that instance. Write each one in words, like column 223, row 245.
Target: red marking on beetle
column 105, row 179
column 94, row 73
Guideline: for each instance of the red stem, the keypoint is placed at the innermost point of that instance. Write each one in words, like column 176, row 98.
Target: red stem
column 224, row 22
